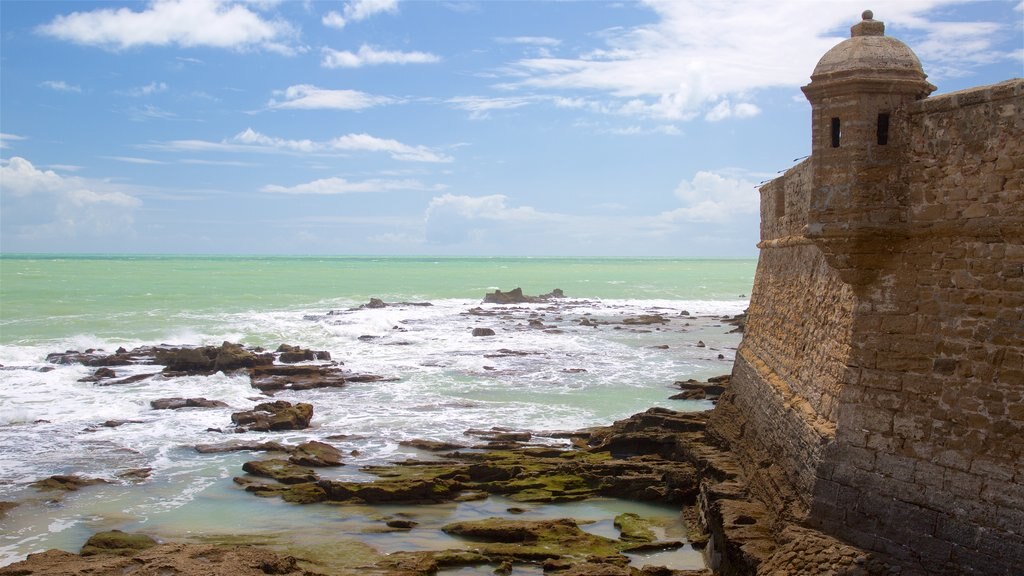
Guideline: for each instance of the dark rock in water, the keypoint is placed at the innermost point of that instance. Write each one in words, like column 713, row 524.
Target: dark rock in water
column 401, row 524
column 483, row 332
column 701, row 344
column 431, row 445
column 234, row 356
column 186, row 360
column 68, row 483
column 136, row 474
column 129, row 380
column 516, row 296
column 281, row 470
column 226, row 357
column 241, row 446
column 292, row 354
column 177, row 403
column 98, row 375
column 739, row 321
column 116, row 423
column 377, row 303
column 269, row 379
column 315, row 454
column 274, row 416
column 645, row 320
column 117, row 543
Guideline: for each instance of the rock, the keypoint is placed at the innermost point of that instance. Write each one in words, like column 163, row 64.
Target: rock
column 374, row 303
column 234, row 357
column 694, row 390
column 98, row 375
column 177, row 403
column 116, row 423
column 117, row 543
column 163, row 559
column 241, row 446
column 274, row 416
column 431, row 445
column 136, row 474
column 270, row 379
column 700, row 344
column 68, row 483
column 292, row 354
column 129, row 380
column 645, row 320
column 516, row 296
column 402, row 524
column 483, row 332
column 315, row 453
column 187, row 360
column 283, row 471
column 633, row 528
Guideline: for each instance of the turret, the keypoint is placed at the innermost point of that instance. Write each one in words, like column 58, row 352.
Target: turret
column 856, row 92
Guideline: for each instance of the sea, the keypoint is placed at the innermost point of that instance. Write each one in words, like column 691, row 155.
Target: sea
column 440, row 381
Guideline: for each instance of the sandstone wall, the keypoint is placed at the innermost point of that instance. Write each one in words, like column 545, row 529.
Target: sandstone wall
column 780, row 414
column 888, row 407
column 929, row 463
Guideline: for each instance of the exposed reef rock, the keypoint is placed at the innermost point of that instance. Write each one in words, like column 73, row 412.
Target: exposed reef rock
column 67, row 482
column 178, row 403
column 116, row 543
column 274, row 416
column 516, row 296
column 161, row 560
column 695, row 390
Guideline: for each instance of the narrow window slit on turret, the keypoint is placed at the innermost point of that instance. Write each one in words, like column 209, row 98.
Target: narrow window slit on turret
column 836, row 133
column 883, row 129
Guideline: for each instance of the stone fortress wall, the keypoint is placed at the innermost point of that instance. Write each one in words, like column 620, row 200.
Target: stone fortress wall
column 878, row 394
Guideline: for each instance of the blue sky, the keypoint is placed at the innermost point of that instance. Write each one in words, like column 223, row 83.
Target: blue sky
column 428, row 127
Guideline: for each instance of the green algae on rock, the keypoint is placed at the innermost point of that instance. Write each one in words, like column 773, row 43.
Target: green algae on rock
column 117, row 543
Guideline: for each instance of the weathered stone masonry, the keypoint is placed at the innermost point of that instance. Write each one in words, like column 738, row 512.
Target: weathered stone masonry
column 878, row 394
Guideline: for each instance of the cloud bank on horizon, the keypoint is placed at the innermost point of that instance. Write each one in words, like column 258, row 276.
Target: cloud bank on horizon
column 459, row 127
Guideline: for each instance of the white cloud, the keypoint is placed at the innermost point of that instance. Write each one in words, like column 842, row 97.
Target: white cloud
column 147, row 90
column 479, row 107
column 699, row 54
column 357, row 10
column 369, row 56
column 456, row 219
column 309, row 97
column 726, row 109
column 530, row 40
column 186, row 23
column 665, row 129
column 65, row 207
column 330, row 186
column 5, row 138
column 712, row 197
column 60, row 86
column 250, row 140
column 333, row 20
column 133, row 160
column 149, row 112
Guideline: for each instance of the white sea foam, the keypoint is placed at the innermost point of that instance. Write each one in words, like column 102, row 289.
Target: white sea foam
column 442, row 381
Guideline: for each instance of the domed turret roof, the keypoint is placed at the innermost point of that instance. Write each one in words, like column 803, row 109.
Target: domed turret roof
column 869, row 61
column 870, row 52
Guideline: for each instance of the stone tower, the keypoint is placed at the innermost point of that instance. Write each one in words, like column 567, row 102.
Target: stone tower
column 859, row 209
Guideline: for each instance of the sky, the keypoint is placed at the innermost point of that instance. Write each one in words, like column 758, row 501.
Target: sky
column 388, row 127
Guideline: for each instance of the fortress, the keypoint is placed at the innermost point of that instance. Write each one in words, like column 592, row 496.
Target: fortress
column 878, row 394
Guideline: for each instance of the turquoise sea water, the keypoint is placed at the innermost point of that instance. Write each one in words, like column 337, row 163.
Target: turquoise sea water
column 56, row 296
column 441, row 381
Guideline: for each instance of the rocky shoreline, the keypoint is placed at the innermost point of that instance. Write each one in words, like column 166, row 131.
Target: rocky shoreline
column 658, row 456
